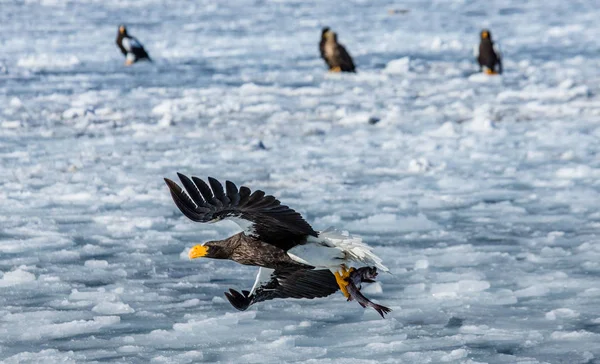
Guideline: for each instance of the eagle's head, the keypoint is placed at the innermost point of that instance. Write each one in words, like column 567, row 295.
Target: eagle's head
column 330, row 36
column 211, row 249
column 485, row 34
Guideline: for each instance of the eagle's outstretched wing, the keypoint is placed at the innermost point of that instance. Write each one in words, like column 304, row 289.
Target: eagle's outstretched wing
column 303, row 283
column 260, row 215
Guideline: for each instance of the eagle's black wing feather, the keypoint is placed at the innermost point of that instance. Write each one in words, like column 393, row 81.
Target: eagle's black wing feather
column 499, row 62
column 303, row 283
column 138, row 49
column 268, row 220
column 346, row 62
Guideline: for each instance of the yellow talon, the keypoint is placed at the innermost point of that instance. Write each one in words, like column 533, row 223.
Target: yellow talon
column 335, row 69
column 490, row 72
column 342, row 283
column 342, row 279
column 128, row 62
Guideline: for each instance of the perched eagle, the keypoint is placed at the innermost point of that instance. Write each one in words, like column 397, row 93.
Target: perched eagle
column 294, row 260
column 334, row 54
column 488, row 54
column 131, row 48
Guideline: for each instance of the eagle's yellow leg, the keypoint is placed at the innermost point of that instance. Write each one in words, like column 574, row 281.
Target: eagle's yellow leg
column 128, row 62
column 335, row 69
column 342, row 279
column 490, row 72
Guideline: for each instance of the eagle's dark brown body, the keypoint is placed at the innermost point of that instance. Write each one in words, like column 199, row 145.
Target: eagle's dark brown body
column 489, row 60
column 248, row 250
column 487, row 56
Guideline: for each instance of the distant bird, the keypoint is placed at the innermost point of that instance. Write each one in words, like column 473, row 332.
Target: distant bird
column 261, row 145
column 374, row 120
column 131, row 48
column 488, row 54
column 398, row 11
column 334, row 54
column 294, row 260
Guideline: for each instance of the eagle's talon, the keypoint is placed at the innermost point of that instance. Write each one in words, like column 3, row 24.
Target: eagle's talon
column 341, row 278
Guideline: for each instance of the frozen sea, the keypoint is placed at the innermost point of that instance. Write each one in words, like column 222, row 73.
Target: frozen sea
column 481, row 193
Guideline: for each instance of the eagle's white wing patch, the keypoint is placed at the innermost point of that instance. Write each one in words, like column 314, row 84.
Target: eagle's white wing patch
column 497, row 50
column 246, row 225
column 263, row 276
column 126, row 44
column 130, row 43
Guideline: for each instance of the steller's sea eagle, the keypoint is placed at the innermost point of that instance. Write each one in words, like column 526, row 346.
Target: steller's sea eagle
column 334, row 54
column 131, row 48
column 488, row 54
column 294, row 260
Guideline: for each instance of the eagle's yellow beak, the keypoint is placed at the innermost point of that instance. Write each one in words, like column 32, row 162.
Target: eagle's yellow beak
column 121, row 30
column 484, row 35
column 198, row 252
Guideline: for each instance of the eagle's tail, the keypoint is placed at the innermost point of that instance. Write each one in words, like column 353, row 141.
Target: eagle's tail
column 353, row 248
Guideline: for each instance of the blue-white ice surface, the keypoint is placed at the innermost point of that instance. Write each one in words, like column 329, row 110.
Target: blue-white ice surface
column 481, row 193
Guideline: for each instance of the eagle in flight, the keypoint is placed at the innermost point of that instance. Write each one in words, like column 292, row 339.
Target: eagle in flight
column 294, row 260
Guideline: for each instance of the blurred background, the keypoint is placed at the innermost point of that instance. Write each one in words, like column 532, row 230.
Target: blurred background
column 480, row 192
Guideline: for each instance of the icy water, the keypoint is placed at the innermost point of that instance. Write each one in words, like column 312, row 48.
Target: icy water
column 480, row 193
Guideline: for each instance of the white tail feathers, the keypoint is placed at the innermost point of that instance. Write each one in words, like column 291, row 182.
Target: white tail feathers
column 353, row 248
